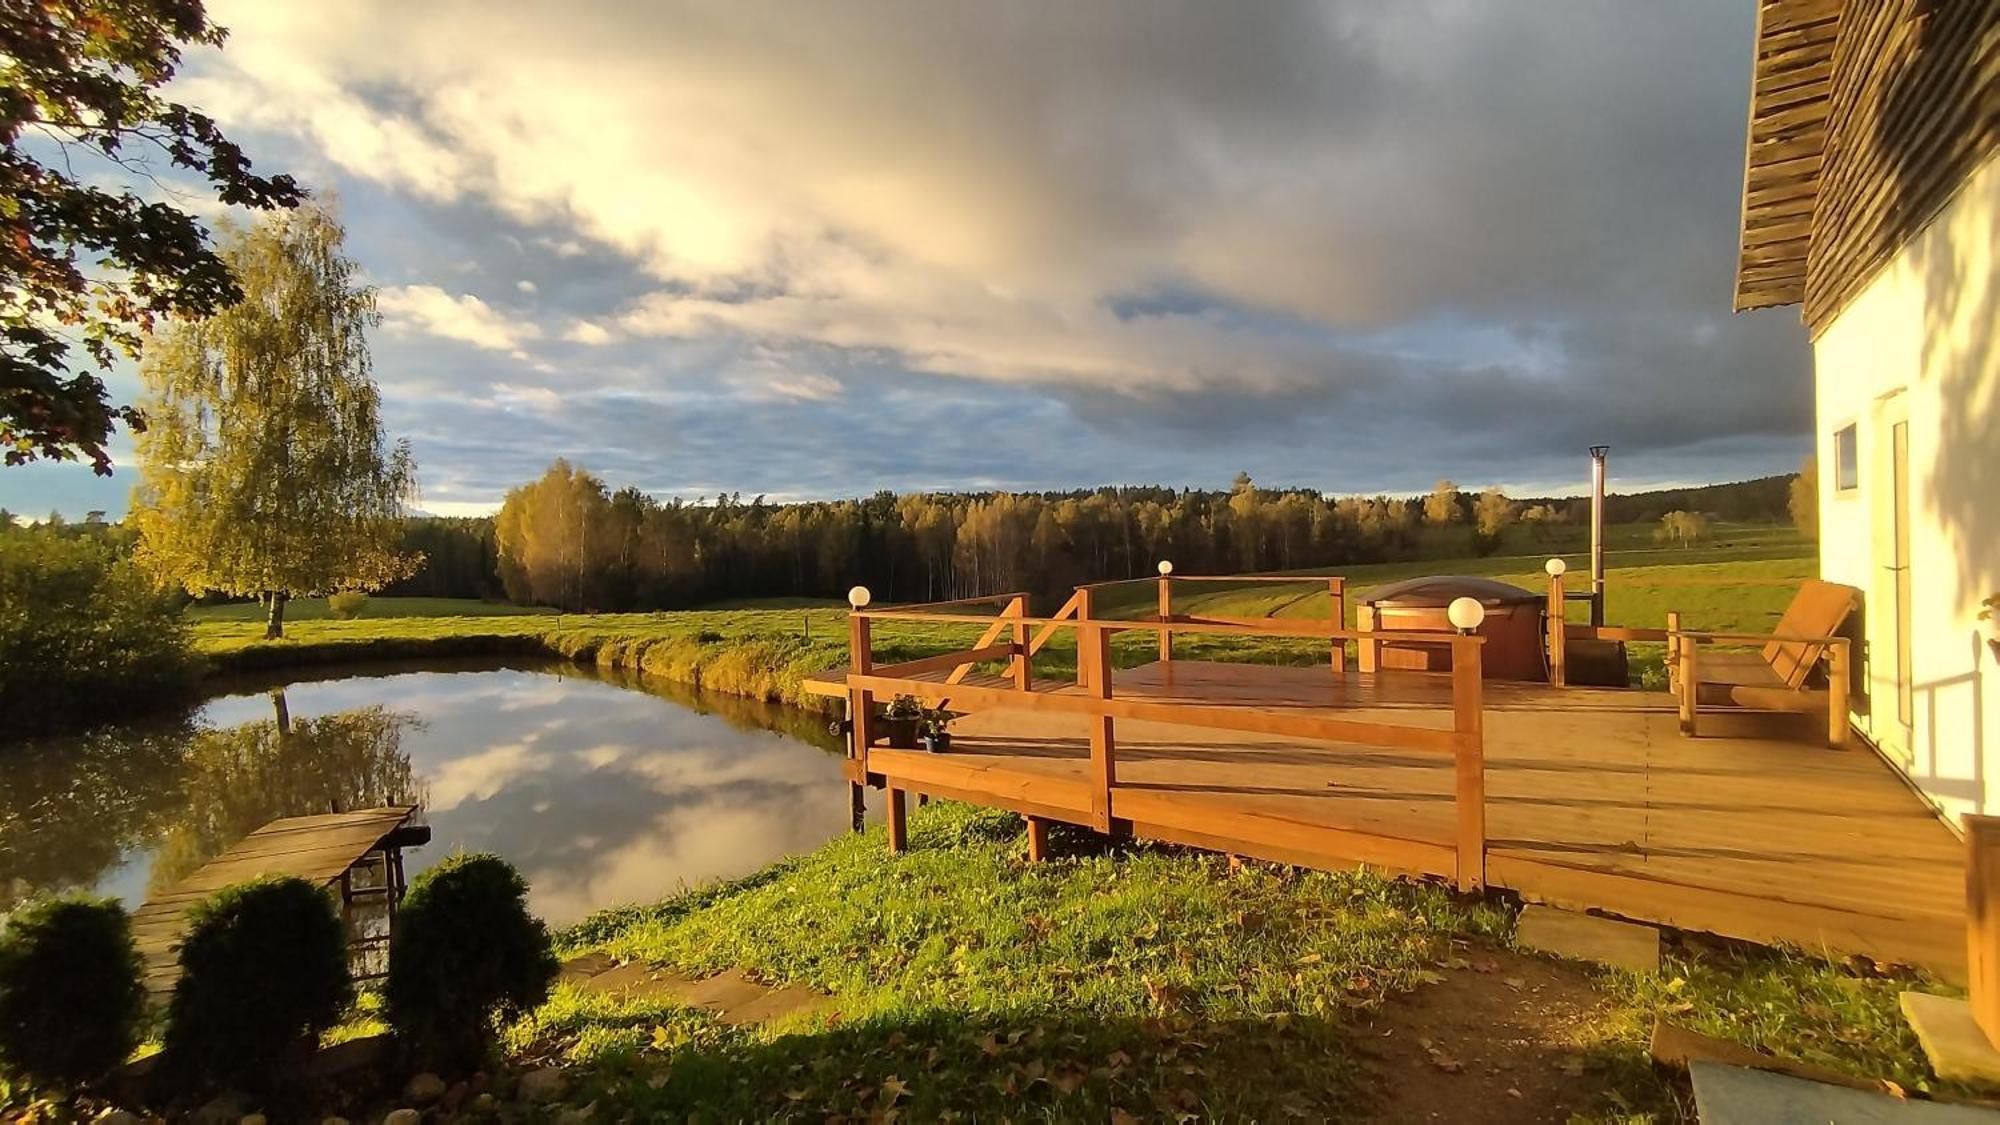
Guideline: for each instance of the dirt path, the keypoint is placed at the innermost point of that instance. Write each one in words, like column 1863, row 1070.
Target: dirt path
column 1498, row 1040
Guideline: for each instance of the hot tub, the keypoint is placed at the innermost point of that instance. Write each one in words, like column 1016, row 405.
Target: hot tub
column 1514, row 648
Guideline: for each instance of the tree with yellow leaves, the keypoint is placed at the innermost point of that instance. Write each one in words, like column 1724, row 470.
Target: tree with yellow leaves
column 264, row 470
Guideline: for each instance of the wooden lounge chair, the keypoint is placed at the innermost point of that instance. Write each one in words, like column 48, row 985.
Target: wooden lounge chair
column 1779, row 675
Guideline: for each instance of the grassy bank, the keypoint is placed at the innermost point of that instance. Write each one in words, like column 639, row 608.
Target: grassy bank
column 1121, row 983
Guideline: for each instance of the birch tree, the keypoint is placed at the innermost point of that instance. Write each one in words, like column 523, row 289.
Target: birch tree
column 264, row 471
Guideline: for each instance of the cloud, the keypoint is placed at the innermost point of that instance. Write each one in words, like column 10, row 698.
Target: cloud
column 1348, row 244
column 429, row 309
column 586, row 332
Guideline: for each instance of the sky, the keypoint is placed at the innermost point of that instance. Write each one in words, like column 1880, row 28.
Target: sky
column 819, row 250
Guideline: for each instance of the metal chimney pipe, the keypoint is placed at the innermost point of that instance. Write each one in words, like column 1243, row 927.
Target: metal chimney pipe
column 1598, row 453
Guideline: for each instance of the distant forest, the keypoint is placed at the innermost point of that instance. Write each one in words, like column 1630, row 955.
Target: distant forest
column 568, row 541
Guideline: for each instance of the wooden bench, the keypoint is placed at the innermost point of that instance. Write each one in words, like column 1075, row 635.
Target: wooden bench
column 1778, row 675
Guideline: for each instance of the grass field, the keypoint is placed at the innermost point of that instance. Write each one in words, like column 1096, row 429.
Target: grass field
column 764, row 649
column 1120, row 983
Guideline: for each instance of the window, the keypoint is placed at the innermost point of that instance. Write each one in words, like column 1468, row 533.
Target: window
column 1846, row 459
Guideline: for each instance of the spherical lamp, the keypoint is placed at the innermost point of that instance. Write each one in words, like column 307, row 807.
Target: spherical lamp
column 1166, row 568
column 1556, row 568
column 1466, row 614
column 858, row 597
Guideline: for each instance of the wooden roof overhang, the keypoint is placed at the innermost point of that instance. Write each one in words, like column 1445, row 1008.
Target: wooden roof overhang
column 1790, row 93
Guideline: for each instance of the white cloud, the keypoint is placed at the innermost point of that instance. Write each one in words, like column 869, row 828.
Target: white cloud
column 587, row 332
column 430, row 310
column 525, row 286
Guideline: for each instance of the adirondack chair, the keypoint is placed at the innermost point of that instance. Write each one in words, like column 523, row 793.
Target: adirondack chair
column 1777, row 676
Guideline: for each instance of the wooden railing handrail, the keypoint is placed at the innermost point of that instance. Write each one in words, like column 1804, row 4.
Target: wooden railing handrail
column 1048, row 631
column 1269, row 626
column 1178, row 577
column 985, row 599
column 954, row 660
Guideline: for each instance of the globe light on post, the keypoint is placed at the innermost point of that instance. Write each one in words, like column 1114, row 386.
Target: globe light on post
column 1556, row 568
column 1466, row 614
column 858, row 597
column 1166, row 568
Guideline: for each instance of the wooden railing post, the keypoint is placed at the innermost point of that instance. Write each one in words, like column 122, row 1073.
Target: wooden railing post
column 1687, row 656
column 899, row 822
column 1673, row 657
column 1837, row 672
column 861, row 659
column 1166, row 615
column 1024, row 676
column 1094, row 652
column 1558, row 632
column 1982, row 921
column 1371, row 651
column 1467, row 689
column 1083, row 600
column 1336, row 592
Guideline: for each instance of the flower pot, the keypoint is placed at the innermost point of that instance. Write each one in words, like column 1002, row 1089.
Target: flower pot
column 938, row 743
column 902, row 733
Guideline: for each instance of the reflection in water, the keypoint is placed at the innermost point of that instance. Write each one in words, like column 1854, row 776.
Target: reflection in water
column 599, row 793
column 237, row 779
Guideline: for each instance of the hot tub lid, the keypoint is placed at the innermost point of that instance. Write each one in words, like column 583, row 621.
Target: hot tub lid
column 1443, row 589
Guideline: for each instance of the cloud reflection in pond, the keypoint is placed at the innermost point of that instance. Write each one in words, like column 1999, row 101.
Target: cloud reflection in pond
column 600, row 794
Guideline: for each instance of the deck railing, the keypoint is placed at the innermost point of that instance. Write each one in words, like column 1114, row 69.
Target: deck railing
column 1094, row 696
column 1336, row 588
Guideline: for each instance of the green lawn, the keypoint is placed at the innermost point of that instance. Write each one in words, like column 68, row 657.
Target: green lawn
column 1114, row 983
column 765, row 648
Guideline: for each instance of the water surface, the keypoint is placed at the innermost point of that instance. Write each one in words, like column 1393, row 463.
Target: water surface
column 601, row 790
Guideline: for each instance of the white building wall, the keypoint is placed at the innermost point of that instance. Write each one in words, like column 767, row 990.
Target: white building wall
column 1916, row 344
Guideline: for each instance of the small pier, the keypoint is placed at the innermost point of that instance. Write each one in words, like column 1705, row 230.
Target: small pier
column 359, row 853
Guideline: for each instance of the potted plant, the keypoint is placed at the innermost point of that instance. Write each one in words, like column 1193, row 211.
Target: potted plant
column 904, row 717
column 936, row 729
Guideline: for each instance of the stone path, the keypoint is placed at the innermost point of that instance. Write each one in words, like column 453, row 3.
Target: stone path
column 733, row 997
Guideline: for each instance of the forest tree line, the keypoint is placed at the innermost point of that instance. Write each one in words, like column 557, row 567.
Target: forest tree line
column 568, row 540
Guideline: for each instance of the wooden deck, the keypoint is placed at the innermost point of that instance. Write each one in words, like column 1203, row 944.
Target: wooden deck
column 1593, row 798
column 318, row 849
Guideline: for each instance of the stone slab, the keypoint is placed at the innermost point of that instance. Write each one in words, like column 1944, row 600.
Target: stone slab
column 585, row 966
column 1586, row 937
column 1952, row 1040
column 778, row 1004
column 724, row 991
column 1735, row 1095
column 637, row 978
column 1677, row 1047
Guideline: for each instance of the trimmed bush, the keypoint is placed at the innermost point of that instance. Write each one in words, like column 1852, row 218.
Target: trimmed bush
column 466, row 954
column 263, row 973
column 346, row 605
column 70, row 992
column 84, row 635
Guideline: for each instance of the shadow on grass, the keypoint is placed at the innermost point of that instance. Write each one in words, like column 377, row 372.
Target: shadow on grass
column 1034, row 1065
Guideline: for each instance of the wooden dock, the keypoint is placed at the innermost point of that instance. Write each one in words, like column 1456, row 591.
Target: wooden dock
column 1588, row 798
column 318, row 849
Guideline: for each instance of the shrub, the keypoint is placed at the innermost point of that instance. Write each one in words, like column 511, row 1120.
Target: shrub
column 70, row 996
column 465, row 955
column 83, row 634
column 347, row 604
column 263, row 972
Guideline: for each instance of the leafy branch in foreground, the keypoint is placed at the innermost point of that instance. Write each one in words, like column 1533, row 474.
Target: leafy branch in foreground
column 83, row 264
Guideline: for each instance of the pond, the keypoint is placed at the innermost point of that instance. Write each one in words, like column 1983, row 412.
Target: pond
column 603, row 789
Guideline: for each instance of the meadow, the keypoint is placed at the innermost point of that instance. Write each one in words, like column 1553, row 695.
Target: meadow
column 1740, row 580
